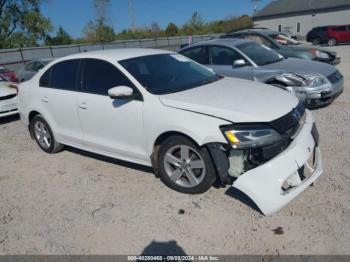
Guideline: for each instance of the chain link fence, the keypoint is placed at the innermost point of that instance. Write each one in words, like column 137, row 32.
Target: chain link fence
column 15, row 58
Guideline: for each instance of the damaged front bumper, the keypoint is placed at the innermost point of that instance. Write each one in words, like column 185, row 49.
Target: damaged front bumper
column 266, row 183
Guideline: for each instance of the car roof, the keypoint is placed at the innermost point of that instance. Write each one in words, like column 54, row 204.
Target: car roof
column 230, row 42
column 117, row 54
column 261, row 31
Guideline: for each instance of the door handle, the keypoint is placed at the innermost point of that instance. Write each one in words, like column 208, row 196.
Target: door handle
column 45, row 99
column 83, row 105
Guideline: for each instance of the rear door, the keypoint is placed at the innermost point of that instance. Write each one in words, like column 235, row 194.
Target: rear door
column 111, row 126
column 57, row 93
column 198, row 54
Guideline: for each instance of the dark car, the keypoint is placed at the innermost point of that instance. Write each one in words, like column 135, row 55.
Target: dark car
column 286, row 46
column 332, row 35
column 9, row 74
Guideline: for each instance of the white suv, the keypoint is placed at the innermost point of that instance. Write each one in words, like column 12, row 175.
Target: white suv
column 194, row 127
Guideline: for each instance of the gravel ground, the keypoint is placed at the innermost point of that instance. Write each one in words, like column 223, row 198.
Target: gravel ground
column 78, row 203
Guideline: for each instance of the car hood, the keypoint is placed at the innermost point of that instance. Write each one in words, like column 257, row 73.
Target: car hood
column 301, row 67
column 304, row 47
column 235, row 100
column 6, row 89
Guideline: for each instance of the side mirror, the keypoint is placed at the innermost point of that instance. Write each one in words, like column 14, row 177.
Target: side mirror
column 121, row 92
column 239, row 63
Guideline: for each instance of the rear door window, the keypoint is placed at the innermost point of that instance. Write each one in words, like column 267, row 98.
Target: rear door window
column 63, row 75
column 198, row 54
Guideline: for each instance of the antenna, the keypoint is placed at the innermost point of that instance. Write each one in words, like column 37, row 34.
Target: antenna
column 132, row 15
column 255, row 2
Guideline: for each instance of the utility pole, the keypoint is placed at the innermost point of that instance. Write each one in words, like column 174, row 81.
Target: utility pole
column 132, row 15
column 255, row 2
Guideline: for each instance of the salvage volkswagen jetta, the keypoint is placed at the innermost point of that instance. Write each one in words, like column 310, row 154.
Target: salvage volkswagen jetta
column 160, row 109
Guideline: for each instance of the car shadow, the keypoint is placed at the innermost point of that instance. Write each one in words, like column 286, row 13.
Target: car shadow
column 170, row 248
column 110, row 160
column 243, row 198
column 9, row 119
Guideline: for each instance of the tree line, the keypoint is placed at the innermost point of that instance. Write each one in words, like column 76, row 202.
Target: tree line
column 22, row 24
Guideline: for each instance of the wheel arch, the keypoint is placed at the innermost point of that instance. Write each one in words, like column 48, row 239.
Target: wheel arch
column 217, row 155
column 160, row 139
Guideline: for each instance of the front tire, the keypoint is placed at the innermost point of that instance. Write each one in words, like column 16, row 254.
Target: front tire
column 43, row 135
column 185, row 167
column 332, row 42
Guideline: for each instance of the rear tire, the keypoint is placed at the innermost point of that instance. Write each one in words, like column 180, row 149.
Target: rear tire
column 43, row 135
column 332, row 42
column 316, row 41
column 185, row 167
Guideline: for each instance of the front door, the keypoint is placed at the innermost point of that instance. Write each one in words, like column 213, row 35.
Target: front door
column 112, row 126
column 222, row 62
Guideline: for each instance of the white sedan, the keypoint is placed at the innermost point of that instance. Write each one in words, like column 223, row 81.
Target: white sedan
column 194, row 127
column 8, row 97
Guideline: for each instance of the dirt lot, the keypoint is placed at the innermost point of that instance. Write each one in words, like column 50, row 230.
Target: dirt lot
column 77, row 203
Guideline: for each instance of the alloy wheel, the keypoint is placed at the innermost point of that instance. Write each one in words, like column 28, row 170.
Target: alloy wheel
column 42, row 134
column 184, row 166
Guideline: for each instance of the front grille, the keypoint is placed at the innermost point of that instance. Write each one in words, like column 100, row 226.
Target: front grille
column 289, row 124
column 335, row 77
column 7, row 97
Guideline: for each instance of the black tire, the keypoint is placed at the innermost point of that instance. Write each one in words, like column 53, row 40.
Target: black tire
column 208, row 176
column 54, row 146
column 316, row 41
column 332, row 42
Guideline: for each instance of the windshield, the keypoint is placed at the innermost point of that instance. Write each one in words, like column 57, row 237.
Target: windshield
column 260, row 54
column 168, row 73
column 284, row 40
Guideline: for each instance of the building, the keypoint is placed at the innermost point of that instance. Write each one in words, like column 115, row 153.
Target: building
column 299, row 16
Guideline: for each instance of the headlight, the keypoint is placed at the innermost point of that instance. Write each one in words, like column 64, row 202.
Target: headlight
column 290, row 79
column 316, row 80
column 243, row 137
column 319, row 54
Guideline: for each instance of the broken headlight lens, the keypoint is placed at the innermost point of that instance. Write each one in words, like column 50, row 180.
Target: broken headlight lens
column 290, row 79
column 243, row 137
column 316, row 80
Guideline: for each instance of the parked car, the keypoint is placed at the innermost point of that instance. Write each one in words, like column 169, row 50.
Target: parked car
column 8, row 97
column 286, row 46
column 31, row 68
column 158, row 108
column 314, row 83
column 332, row 35
column 9, row 74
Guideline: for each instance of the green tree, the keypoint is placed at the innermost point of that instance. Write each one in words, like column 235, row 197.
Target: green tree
column 171, row 30
column 61, row 38
column 98, row 30
column 22, row 24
